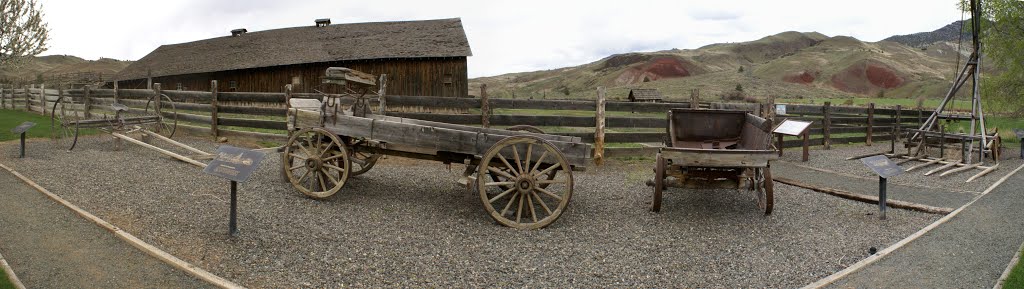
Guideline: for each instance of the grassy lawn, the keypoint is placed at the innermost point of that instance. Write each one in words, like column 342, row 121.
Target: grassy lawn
column 12, row 118
column 1016, row 278
column 929, row 104
column 5, row 283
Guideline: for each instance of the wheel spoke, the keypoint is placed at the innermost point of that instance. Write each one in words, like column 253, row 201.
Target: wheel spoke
column 296, row 156
column 529, row 152
column 549, row 193
column 330, row 177
column 303, row 177
column 323, row 186
column 296, row 167
column 543, row 182
column 326, row 149
column 502, row 158
column 500, row 172
column 539, row 161
column 533, row 212
column 510, row 201
column 548, row 170
column 334, row 167
column 519, row 212
column 519, row 161
column 502, row 194
column 499, row 183
column 542, row 203
column 334, row 157
column 304, row 149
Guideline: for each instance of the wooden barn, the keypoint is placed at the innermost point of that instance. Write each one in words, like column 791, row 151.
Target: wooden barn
column 420, row 58
column 644, row 95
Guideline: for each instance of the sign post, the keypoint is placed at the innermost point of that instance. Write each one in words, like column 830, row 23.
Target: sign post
column 21, row 129
column 884, row 168
column 1020, row 136
column 236, row 165
column 794, row 128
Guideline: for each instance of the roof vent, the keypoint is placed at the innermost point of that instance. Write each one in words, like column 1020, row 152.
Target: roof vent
column 239, row 31
column 323, row 22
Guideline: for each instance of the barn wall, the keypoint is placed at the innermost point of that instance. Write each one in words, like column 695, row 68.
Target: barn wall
column 420, row 76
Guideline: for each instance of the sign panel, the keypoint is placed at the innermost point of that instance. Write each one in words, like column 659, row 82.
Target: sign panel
column 882, row 166
column 233, row 163
column 780, row 109
column 1019, row 132
column 792, row 127
column 23, row 127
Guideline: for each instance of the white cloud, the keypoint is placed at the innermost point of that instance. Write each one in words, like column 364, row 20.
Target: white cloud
column 506, row 36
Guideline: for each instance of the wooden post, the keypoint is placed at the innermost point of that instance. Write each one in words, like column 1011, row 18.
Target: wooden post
column 781, row 143
column 28, row 96
column 42, row 98
column 3, row 97
column 157, row 105
column 898, row 125
column 87, row 91
column 117, row 96
column 920, row 119
column 871, row 122
column 599, row 127
column 694, row 98
column 485, row 107
column 382, row 107
column 807, row 146
column 290, row 118
column 214, row 108
column 826, row 125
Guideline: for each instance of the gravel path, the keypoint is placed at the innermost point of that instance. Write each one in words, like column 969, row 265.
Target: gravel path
column 971, row 250
column 49, row 246
column 835, row 160
column 407, row 223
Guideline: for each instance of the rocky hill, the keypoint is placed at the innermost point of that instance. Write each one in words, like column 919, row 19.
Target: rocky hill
column 788, row 64
column 64, row 67
column 951, row 33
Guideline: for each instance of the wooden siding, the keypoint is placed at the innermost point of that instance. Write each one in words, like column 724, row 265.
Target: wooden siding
column 418, row 76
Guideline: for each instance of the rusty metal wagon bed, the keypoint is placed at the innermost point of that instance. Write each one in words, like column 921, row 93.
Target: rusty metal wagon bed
column 716, row 149
column 524, row 179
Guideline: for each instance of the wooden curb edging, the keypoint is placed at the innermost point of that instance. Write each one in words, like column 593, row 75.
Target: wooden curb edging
column 888, row 250
column 10, row 274
column 866, row 198
column 130, row 239
column 1009, row 268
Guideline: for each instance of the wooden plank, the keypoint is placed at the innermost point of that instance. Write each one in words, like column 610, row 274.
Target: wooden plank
column 189, row 96
column 485, row 107
column 214, row 108
column 718, row 157
column 193, row 118
column 251, row 96
column 928, row 163
column 865, row 198
column 871, row 122
column 960, row 169
column 983, row 173
column 175, row 143
column 943, row 167
column 136, row 93
column 599, row 128
column 160, row 150
column 253, row 123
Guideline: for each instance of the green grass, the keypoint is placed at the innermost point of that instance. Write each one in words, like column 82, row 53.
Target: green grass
column 5, row 282
column 1016, row 278
column 1005, row 125
column 907, row 103
column 591, row 113
column 12, row 118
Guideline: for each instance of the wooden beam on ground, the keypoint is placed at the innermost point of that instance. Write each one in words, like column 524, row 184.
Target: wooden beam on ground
column 160, row 150
column 909, row 160
column 857, row 157
column 174, row 142
column 960, row 169
column 931, row 162
column 942, row 168
column 983, row 173
column 866, row 198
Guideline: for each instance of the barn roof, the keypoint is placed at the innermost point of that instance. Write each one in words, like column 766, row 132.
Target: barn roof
column 644, row 93
column 308, row 44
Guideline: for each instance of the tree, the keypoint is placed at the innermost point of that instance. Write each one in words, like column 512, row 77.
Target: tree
column 1002, row 38
column 22, row 31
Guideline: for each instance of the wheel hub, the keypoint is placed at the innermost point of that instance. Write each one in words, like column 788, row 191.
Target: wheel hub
column 314, row 164
column 525, row 184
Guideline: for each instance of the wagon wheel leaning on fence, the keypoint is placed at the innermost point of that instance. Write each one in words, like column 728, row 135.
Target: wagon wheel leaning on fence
column 64, row 122
column 522, row 177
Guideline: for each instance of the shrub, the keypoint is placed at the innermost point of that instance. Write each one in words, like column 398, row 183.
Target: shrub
column 849, row 101
column 750, row 99
column 739, row 87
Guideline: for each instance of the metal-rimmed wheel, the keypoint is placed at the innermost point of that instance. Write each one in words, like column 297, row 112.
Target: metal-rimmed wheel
column 168, row 120
column 764, row 189
column 526, row 128
column 64, row 123
column 511, row 180
column 659, row 182
column 362, row 161
column 316, row 162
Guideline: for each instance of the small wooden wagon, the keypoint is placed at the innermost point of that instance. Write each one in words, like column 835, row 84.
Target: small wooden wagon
column 716, row 149
column 524, row 179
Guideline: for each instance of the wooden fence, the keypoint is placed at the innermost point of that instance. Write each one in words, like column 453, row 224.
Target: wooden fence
column 262, row 115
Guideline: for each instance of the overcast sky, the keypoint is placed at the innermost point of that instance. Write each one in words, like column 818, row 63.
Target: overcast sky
column 505, row 36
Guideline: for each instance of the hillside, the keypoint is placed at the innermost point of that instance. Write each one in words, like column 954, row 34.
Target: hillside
column 65, row 67
column 789, row 64
column 951, row 33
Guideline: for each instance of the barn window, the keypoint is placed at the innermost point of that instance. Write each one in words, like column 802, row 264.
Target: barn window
column 296, row 80
column 179, row 86
column 448, row 78
column 233, row 85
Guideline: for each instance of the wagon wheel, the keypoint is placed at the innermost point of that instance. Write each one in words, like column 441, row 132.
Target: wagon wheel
column 163, row 127
column 316, row 162
column 362, row 161
column 518, row 178
column 526, row 128
column 64, row 123
column 659, row 182
column 764, row 189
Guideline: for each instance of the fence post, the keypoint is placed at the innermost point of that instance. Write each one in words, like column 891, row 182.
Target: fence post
column 694, row 98
column 28, row 96
column 87, row 91
column 42, row 98
column 826, row 125
column 599, row 127
column 157, row 105
column 899, row 121
column 117, row 96
column 871, row 122
column 3, row 97
column 214, row 109
column 289, row 118
column 382, row 107
column 485, row 107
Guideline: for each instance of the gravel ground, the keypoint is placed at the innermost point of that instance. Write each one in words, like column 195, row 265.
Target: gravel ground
column 835, row 160
column 407, row 223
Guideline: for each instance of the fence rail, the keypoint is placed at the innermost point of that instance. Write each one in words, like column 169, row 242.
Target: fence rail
column 261, row 115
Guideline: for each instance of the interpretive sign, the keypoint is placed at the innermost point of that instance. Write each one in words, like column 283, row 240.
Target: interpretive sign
column 23, row 127
column 233, row 163
column 792, row 127
column 1019, row 132
column 882, row 166
column 780, row 109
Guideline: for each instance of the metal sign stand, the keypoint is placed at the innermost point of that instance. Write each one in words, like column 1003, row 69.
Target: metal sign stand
column 1020, row 136
column 236, row 165
column 885, row 168
column 22, row 129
